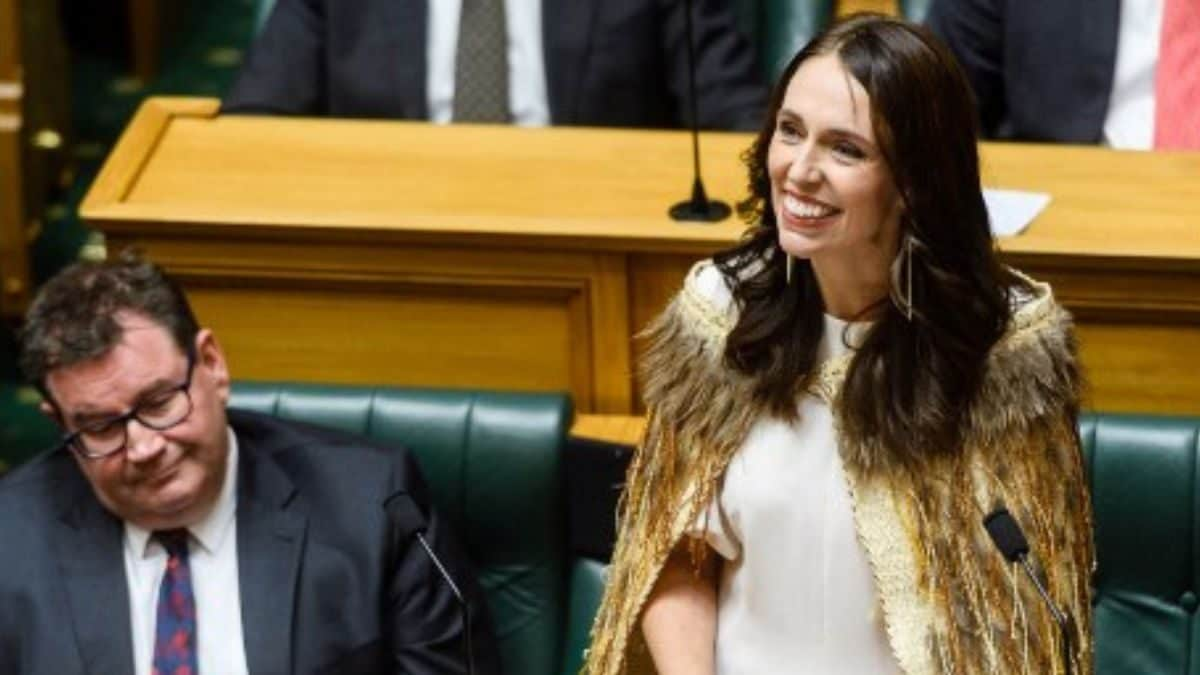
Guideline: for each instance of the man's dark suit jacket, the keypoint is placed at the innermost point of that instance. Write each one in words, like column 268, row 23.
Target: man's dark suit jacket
column 1042, row 71
column 331, row 578
column 608, row 63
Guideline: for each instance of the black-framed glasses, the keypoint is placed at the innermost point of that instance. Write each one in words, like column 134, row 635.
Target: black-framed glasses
column 159, row 411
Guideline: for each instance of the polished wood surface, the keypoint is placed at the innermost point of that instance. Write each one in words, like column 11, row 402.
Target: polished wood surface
column 339, row 250
column 845, row 7
column 14, row 263
column 620, row 429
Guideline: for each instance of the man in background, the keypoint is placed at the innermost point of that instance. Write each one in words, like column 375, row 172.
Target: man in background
column 528, row 62
column 171, row 536
column 1118, row 72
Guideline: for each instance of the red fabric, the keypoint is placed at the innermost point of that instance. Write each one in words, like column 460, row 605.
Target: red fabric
column 1177, row 78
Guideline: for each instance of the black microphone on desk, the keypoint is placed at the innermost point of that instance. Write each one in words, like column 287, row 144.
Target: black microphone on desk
column 699, row 208
column 1008, row 537
column 405, row 511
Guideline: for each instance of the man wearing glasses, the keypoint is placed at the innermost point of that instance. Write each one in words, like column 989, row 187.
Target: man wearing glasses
column 169, row 536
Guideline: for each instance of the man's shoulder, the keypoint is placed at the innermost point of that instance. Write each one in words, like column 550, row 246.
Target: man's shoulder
column 37, row 482
column 313, row 455
column 32, row 498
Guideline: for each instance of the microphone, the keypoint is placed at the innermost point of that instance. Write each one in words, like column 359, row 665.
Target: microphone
column 404, row 510
column 699, row 208
column 1010, row 540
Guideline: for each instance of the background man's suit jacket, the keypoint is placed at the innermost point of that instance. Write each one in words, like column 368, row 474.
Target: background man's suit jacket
column 1042, row 71
column 607, row 62
column 330, row 579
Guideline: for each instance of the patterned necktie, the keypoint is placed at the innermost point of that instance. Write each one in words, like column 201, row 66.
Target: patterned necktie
column 1177, row 78
column 481, row 63
column 175, row 628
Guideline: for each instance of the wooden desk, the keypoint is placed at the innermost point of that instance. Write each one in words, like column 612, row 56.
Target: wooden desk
column 405, row 253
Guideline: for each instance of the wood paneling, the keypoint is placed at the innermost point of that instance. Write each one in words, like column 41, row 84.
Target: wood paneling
column 294, row 233
column 419, row 315
column 1141, row 366
column 14, row 264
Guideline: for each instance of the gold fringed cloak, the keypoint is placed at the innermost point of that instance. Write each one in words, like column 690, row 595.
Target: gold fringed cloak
column 951, row 604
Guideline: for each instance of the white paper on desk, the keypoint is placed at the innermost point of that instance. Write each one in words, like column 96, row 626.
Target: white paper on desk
column 1011, row 211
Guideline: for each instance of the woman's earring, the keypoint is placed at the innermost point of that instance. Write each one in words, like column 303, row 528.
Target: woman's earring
column 902, row 266
column 787, row 267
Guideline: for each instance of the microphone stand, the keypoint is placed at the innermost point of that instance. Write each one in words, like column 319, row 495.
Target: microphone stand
column 699, row 208
column 1064, row 626
column 1006, row 534
column 464, row 608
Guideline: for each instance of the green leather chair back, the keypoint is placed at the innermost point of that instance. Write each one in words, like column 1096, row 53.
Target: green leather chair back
column 493, row 462
column 1145, row 499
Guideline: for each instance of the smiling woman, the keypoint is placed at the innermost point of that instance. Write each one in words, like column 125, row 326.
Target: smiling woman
column 834, row 198
column 837, row 402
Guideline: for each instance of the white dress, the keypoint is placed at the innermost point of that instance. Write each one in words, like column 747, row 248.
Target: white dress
column 796, row 591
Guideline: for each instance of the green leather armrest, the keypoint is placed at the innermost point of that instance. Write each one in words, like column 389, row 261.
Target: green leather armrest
column 586, row 589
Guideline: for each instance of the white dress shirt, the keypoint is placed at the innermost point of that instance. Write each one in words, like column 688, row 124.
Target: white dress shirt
column 212, row 557
column 527, row 101
column 1129, row 123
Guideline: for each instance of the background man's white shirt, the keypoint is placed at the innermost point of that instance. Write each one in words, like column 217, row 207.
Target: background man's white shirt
column 527, row 101
column 1129, row 123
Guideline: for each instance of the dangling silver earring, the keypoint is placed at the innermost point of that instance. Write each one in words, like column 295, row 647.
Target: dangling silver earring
column 787, row 267
column 902, row 265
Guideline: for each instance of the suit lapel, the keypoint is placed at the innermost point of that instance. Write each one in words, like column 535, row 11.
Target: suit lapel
column 566, row 50
column 270, row 541
column 87, row 541
column 1098, row 54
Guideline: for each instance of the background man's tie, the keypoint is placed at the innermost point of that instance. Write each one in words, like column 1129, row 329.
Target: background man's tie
column 1177, row 78
column 175, row 627
column 481, row 63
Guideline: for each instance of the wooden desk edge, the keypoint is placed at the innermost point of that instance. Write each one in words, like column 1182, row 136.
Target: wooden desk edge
column 136, row 145
column 618, row 429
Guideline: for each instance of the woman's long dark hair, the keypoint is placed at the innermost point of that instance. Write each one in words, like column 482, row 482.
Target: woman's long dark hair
column 910, row 382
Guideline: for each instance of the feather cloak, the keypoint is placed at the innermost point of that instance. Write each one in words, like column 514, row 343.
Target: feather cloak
column 950, row 602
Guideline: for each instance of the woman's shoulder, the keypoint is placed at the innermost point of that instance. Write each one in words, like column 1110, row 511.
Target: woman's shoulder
column 1033, row 371
column 1036, row 315
column 706, row 299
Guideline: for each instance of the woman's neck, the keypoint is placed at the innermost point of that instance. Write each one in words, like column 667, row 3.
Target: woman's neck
column 852, row 293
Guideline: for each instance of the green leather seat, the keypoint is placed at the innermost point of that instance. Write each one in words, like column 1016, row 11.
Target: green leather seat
column 493, row 462
column 1146, row 503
